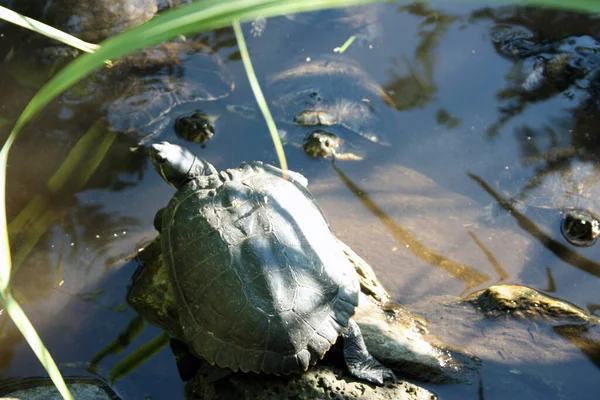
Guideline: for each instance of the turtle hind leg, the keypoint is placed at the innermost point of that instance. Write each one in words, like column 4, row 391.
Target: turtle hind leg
column 360, row 362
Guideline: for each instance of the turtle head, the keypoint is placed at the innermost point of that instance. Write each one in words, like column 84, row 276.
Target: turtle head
column 177, row 165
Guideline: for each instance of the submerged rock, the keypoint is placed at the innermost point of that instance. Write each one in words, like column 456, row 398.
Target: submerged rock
column 525, row 302
column 43, row 389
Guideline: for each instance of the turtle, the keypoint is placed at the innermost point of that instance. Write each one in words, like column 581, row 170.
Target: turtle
column 195, row 127
column 145, row 106
column 317, row 143
column 260, row 280
column 322, row 144
column 141, row 92
column 573, row 193
column 330, row 92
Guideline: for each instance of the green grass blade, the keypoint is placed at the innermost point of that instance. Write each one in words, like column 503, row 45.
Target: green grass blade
column 5, row 261
column 24, row 325
column 345, row 46
column 260, row 98
column 133, row 329
column 46, row 30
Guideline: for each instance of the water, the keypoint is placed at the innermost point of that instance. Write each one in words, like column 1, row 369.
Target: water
column 418, row 227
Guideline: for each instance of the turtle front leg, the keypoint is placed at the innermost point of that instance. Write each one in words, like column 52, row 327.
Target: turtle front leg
column 360, row 362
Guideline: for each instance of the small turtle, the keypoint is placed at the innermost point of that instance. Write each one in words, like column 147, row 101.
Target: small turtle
column 144, row 107
column 574, row 193
column 542, row 63
column 261, row 282
column 321, row 144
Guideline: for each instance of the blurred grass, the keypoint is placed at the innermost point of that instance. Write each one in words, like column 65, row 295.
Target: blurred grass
column 192, row 18
column 46, row 30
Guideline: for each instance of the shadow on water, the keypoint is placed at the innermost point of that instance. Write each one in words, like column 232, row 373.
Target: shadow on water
column 470, row 276
column 579, row 336
column 502, row 274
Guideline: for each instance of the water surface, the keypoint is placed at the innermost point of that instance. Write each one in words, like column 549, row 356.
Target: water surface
column 409, row 208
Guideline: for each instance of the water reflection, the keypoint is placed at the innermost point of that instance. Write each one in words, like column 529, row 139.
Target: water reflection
column 416, row 87
column 566, row 253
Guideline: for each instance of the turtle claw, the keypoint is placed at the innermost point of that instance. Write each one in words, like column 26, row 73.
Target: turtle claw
column 372, row 371
column 360, row 362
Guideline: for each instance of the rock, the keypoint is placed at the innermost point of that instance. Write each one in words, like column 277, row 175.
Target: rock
column 401, row 340
column 524, row 302
column 515, row 325
column 151, row 294
column 43, row 389
column 317, row 383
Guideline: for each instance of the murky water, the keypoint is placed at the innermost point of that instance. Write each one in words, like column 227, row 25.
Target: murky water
column 411, row 208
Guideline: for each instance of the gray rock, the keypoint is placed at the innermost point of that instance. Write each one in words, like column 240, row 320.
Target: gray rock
column 317, row 383
column 401, row 340
column 43, row 389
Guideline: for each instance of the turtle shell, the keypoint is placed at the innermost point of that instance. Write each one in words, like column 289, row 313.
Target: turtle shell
column 261, row 282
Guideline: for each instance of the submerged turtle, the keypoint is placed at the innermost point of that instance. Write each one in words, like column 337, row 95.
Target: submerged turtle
column 323, row 144
column 261, row 281
column 140, row 91
column 316, row 144
column 574, row 192
column 332, row 92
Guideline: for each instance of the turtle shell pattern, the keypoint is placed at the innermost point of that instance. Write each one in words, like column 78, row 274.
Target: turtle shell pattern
column 261, row 281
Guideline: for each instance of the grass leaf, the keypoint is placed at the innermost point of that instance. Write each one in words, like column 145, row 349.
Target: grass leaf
column 46, row 30
column 260, row 98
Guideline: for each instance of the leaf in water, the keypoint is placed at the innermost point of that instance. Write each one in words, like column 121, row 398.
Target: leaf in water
column 138, row 357
column 124, row 339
